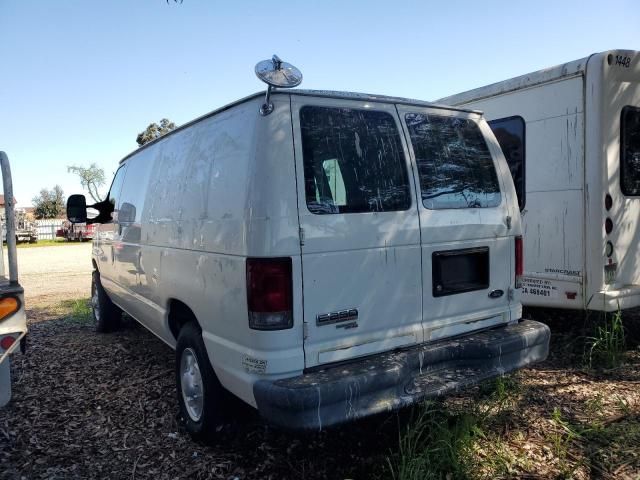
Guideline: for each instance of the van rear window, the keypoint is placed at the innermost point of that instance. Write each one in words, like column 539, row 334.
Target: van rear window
column 353, row 161
column 630, row 151
column 454, row 163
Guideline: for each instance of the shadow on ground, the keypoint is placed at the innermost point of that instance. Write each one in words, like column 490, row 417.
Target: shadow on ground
column 104, row 406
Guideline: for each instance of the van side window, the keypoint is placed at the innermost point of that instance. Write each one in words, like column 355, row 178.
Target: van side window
column 454, row 163
column 630, row 151
column 510, row 133
column 114, row 190
column 353, row 161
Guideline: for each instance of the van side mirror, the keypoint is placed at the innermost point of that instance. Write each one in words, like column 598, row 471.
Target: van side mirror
column 77, row 209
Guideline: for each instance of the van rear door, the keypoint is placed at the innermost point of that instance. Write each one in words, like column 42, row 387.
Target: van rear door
column 359, row 229
column 465, row 216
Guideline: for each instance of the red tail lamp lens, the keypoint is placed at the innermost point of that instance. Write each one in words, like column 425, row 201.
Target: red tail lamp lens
column 270, row 293
column 608, row 226
column 6, row 342
column 608, row 202
column 519, row 261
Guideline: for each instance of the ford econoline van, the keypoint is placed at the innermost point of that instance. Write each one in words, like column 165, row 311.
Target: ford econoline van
column 323, row 256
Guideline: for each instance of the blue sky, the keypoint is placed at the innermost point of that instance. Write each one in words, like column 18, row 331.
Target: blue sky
column 79, row 79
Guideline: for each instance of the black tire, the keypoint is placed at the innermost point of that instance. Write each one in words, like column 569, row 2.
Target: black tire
column 106, row 314
column 213, row 410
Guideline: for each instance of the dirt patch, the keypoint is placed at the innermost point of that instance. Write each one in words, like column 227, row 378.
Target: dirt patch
column 104, row 406
column 51, row 274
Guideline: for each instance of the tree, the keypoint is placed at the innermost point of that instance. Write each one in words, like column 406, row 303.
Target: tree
column 49, row 203
column 154, row 131
column 91, row 179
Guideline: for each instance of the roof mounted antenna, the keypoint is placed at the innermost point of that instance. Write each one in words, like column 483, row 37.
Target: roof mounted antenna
column 276, row 73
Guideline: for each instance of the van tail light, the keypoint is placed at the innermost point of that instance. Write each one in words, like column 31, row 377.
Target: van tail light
column 270, row 293
column 519, row 261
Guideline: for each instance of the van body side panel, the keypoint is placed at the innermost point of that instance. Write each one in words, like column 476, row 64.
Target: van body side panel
column 361, row 270
column 553, row 218
column 613, row 83
column 213, row 189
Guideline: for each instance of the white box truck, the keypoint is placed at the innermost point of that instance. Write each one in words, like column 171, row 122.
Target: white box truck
column 321, row 255
column 13, row 321
column 571, row 137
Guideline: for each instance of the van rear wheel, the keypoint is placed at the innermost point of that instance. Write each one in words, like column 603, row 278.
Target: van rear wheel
column 106, row 314
column 200, row 395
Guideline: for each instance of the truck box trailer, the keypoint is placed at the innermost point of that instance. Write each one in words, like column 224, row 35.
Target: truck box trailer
column 571, row 136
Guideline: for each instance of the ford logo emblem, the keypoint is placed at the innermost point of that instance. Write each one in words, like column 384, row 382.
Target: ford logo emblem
column 496, row 294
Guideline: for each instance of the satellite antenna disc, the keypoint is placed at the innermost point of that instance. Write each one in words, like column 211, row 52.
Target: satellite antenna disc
column 276, row 73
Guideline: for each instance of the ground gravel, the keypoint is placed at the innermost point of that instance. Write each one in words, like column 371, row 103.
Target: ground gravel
column 104, row 406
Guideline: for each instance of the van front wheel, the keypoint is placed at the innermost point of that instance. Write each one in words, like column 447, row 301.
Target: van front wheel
column 106, row 314
column 200, row 394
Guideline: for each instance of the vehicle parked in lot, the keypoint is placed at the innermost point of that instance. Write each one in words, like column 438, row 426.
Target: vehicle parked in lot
column 25, row 230
column 76, row 232
column 13, row 321
column 571, row 136
column 321, row 255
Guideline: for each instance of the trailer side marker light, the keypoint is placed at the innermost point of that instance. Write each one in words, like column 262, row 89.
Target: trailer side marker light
column 8, row 305
column 6, row 342
column 609, row 249
column 571, row 295
column 608, row 202
column 608, row 226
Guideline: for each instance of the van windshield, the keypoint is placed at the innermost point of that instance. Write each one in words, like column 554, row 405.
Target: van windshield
column 454, row 163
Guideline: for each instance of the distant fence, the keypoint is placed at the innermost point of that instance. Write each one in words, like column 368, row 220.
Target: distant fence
column 47, row 228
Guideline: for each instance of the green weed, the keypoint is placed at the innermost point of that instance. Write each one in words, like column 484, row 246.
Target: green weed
column 435, row 445
column 561, row 439
column 606, row 348
column 76, row 311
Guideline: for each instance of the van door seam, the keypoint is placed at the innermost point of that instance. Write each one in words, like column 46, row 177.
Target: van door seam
column 414, row 172
column 295, row 169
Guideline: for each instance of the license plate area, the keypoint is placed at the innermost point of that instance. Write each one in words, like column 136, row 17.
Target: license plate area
column 460, row 271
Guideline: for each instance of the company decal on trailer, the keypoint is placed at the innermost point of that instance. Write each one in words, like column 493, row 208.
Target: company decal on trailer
column 562, row 271
column 539, row 287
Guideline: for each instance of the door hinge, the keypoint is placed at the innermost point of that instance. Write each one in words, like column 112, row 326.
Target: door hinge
column 305, row 330
column 301, row 231
column 508, row 222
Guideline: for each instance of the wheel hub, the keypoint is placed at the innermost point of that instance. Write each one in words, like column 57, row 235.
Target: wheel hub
column 95, row 304
column 191, row 384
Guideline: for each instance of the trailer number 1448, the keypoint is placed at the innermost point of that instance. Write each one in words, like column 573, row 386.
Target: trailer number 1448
column 623, row 61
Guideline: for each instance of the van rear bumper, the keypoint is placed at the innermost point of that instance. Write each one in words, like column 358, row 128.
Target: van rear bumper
column 391, row 380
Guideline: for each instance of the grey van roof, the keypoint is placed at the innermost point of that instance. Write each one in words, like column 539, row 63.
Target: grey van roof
column 569, row 69
column 311, row 93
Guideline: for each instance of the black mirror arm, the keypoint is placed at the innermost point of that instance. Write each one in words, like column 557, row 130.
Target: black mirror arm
column 105, row 209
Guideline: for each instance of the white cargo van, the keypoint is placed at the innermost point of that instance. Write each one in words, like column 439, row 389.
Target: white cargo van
column 323, row 256
column 571, row 137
